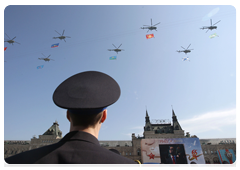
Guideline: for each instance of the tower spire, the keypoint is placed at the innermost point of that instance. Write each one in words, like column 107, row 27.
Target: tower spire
column 147, row 117
column 173, row 114
column 176, row 124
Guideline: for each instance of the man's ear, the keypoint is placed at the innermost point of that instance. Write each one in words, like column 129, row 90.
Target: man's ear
column 104, row 116
column 68, row 116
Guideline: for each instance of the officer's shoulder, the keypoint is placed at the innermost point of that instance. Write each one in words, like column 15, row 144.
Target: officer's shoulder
column 114, row 157
column 30, row 156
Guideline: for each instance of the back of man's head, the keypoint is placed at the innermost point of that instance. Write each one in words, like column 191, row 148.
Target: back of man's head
column 85, row 120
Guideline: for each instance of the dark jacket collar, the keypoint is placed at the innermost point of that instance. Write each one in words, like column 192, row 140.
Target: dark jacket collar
column 80, row 135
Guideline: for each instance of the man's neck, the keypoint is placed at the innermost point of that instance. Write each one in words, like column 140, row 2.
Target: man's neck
column 92, row 131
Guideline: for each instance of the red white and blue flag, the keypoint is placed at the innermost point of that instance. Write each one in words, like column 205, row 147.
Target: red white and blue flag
column 55, row 45
column 40, row 67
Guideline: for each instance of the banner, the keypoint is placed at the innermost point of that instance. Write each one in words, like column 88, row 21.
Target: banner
column 226, row 156
column 172, row 151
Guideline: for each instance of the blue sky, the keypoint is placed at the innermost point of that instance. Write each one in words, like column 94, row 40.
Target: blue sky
column 150, row 72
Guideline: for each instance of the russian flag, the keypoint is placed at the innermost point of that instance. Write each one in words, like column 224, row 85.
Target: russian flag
column 55, row 45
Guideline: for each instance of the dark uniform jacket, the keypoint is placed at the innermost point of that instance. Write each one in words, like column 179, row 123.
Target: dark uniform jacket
column 76, row 147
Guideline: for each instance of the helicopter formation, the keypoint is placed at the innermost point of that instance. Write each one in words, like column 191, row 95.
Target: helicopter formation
column 116, row 49
column 185, row 50
column 46, row 58
column 62, row 37
column 210, row 27
column 149, row 27
column 152, row 27
column 11, row 41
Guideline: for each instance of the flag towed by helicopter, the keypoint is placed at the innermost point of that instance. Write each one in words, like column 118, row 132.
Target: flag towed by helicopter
column 40, row 67
column 5, row 48
column 55, row 45
column 213, row 35
column 113, row 58
column 148, row 36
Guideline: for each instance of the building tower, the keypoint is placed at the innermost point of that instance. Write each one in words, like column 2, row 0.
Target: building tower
column 163, row 128
column 176, row 125
column 148, row 126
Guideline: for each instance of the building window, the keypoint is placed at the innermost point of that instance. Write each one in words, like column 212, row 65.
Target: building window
column 205, row 152
column 130, row 153
column 139, row 152
column 211, row 152
column 207, row 162
column 126, row 153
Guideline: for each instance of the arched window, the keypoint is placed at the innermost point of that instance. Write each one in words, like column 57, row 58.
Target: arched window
column 207, row 161
column 216, row 160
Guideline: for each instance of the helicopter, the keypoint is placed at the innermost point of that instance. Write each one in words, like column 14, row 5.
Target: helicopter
column 185, row 59
column 210, row 27
column 61, row 37
column 117, row 49
column 46, row 58
column 11, row 41
column 186, row 50
column 152, row 27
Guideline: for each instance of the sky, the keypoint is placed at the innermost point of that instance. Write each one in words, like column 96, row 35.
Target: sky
column 150, row 72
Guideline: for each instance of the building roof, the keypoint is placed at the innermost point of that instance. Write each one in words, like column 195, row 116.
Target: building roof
column 54, row 130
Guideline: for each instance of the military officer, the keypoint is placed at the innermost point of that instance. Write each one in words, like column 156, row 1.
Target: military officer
column 86, row 96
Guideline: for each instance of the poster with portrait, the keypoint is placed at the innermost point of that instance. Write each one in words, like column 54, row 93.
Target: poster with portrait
column 226, row 156
column 172, row 151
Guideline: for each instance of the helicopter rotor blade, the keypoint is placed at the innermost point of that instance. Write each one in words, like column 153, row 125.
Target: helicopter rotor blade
column 7, row 36
column 49, row 56
column 188, row 46
column 58, row 32
column 14, row 38
column 217, row 22
column 67, row 37
column 151, row 21
column 207, row 31
column 16, row 42
column 147, row 25
column 211, row 21
column 63, row 32
column 157, row 24
column 64, row 40
column 119, row 46
column 114, row 45
column 43, row 55
column 183, row 48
